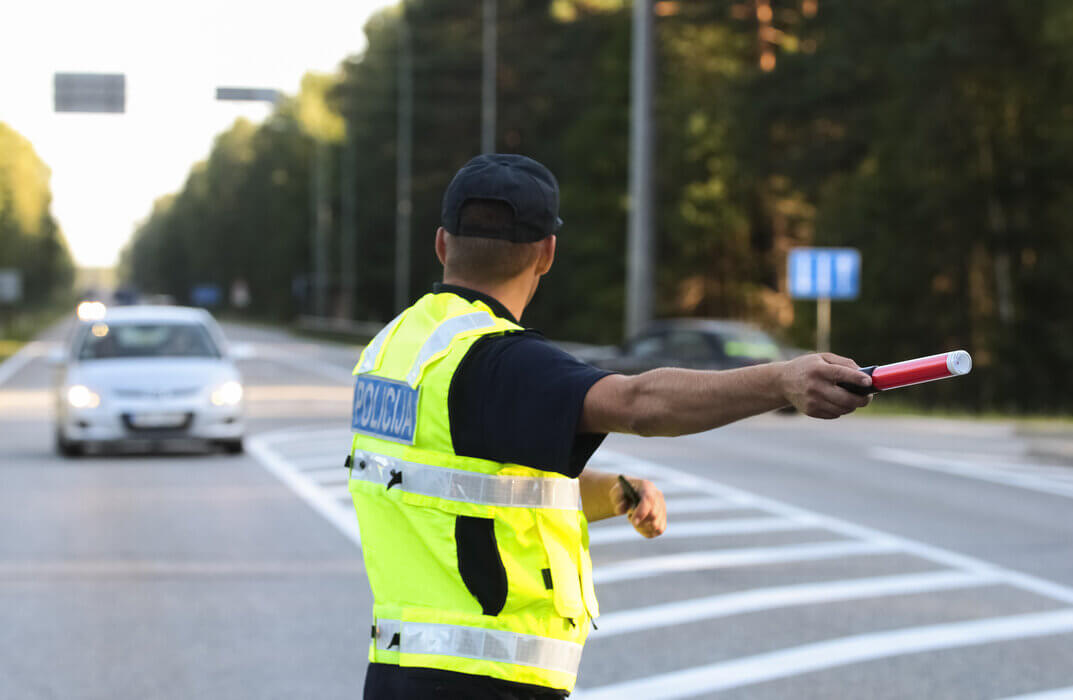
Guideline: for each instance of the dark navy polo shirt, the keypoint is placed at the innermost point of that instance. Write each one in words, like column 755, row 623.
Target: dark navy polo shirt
column 518, row 398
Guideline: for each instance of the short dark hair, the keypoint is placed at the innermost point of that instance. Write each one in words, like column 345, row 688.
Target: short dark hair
column 479, row 259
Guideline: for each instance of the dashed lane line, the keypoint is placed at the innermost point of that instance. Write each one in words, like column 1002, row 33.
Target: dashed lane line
column 832, row 653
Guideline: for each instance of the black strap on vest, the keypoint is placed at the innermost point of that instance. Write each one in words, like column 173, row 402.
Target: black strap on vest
column 396, row 478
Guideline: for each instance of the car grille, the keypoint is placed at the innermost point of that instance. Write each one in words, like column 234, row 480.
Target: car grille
column 133, row 393
column 129, row 424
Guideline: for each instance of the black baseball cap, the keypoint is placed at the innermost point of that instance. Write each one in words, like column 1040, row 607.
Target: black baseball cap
column 527, row 186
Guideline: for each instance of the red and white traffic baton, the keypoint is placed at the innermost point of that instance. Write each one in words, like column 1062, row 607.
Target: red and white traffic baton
column 918, row 371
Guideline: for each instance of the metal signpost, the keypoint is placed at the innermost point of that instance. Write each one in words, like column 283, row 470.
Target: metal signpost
column 824, row 274
column 10, row 295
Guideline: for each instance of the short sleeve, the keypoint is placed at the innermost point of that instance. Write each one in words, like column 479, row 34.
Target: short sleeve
column 517, row 398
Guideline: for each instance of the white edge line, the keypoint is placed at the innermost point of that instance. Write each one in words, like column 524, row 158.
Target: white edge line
column 836, row 652
column 329, row 507
column 758, row 599
column 918, row 549
column 24, row 356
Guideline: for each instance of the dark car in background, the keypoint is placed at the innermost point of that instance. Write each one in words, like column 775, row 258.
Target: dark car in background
column 692, row 343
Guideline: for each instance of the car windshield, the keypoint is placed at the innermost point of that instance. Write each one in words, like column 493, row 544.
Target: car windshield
column 753, row 346
column 104, row 341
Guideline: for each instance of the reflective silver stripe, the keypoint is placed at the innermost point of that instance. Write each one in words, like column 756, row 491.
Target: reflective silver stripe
column 443, row 335
column 385, row 632
column 466, row 486
column 368, row 358
column 479, row 643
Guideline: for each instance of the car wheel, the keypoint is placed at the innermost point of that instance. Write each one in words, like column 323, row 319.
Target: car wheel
column 68, row 448
column 232, row 447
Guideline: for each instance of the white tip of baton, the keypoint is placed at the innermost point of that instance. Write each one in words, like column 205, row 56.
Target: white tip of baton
column 959, row 362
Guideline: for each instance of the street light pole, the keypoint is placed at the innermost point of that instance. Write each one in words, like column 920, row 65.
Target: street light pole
column 322, row 214
column 488, row 79
column 349, row 224
column 403, row 155
column 639, row 260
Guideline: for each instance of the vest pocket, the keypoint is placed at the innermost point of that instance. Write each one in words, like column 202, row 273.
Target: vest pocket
column 566, row 583
column 479, row 562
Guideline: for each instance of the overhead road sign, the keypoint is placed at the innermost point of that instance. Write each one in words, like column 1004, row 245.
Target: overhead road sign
column 90, row 92
column 825, row 273
column 247, row 94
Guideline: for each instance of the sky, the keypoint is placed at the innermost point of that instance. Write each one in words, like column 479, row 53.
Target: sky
column 107, row 169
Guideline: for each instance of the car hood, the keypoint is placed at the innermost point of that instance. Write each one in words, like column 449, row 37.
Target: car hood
column 152, row 375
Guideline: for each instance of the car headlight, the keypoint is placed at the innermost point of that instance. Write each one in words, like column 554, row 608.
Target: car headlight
column 91, row 311
column 227, row 394
column 82, row 397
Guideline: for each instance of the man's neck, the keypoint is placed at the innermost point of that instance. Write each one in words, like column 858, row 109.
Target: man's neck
column 513, row 294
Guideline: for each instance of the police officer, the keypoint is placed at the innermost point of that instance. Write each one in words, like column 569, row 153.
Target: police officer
column 471, row 435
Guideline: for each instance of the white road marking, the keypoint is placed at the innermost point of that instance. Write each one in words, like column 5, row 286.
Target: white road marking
column 25, row 355
column 340, row 491
column 307, row 436
column 673, row 488
column 333, row 502
column 858, row 532
column 308, row 490
column 335, row 463
column 973, row 470
column 646, row 567
column 304, row 363
column 835, row 652
column 1056, row 694
column 681, row 506
column 700, row 528
column 754, row 600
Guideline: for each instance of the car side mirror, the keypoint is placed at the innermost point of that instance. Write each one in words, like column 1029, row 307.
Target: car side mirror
column 241, row 351
column 56, row 356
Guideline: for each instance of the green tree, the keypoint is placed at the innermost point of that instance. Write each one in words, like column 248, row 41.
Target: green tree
column 30, row 238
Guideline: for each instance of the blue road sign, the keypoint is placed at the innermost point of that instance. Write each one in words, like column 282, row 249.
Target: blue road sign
column 825, row 273
column 206, row 295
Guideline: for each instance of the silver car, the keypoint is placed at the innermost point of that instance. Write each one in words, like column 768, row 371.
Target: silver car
column 148, row 374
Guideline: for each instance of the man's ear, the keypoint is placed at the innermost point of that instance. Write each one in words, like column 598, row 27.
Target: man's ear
column 547, row 255
column 441, row 245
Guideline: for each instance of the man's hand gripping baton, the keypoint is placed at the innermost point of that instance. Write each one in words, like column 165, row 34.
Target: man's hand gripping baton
column 918, row 371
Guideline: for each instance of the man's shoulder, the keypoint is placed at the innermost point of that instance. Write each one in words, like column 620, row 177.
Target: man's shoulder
column 526, row 344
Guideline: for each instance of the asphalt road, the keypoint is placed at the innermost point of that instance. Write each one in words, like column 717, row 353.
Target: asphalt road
column 861, row 558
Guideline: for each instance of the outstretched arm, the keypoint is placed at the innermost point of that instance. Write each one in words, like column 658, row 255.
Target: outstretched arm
column 679, row 401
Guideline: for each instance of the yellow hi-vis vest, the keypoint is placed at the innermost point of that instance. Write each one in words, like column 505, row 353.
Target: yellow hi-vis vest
column 414, row 495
